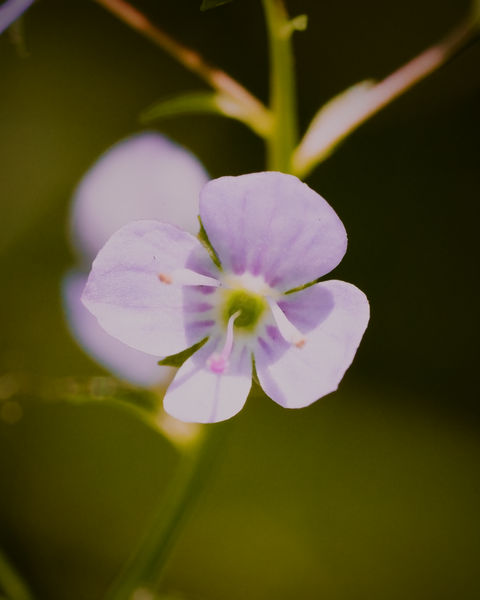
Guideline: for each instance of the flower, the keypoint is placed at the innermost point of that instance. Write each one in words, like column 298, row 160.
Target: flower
column 146, row 176
column 11, row 10
column 117, row 358
column 143, row 177
column 254, row 297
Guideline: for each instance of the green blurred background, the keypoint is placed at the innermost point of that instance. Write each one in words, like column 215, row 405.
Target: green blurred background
column 371, row 493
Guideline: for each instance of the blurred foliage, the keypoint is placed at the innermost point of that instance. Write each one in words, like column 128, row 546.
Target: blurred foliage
column 186, row 104
column 372, row 492
column 206, row 4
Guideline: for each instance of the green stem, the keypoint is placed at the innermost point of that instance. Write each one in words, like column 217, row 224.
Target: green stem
column 145, row 569
column 11, row 582
column 283, row 138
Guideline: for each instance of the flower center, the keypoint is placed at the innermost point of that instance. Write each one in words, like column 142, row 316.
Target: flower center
column 241, row 301
column 251, row 307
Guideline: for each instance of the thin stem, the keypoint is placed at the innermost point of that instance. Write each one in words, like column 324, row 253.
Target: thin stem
column 146, row 567
column 192, row 60
column 283, row 138
column 11, row 582
column 322, row 137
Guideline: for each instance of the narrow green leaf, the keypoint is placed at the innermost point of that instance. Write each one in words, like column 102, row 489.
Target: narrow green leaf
column 177, row 360
column 303, row 287
column 203, row 238
column 214, row 103
column 212, row 3
column 191, row 103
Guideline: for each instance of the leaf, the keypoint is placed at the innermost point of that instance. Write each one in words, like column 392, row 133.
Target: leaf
column 190, row 103
column 177, row 360
column 203, row 239
column 257, row 118
column 334, row 121
column 212, row 3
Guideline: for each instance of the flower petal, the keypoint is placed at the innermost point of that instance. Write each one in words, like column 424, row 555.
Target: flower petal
column 197, row 395
column 11, row 10
column 130, row 302
column 333, row 315
column 143, row 177
column 274, row 225
column 121, row 360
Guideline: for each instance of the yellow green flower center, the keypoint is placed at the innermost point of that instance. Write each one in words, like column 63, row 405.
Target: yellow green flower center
column 250, row 305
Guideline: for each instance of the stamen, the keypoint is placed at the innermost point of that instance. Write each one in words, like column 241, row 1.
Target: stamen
column 187, row 277
column 218, row 362
column 289, row 332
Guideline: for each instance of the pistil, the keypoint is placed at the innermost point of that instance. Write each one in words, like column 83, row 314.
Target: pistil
column 218, row 362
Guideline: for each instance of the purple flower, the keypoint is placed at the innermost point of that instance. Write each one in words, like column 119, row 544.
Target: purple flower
column 11, row 10
column 144, row 177
column 117, row 358
column 157, row 289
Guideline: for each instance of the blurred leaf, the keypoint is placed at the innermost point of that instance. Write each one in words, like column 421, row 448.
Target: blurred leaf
column 144, row 399
column 299, row 23
column 191, row 103
column 177, row 360
column 86, row 390
column 216, row 103
column 212, row 3
column 476, row 11
column 11, row 581
column 334, row 121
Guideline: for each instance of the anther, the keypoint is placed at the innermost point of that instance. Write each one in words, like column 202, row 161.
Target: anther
column 218, row 362
column 288, row 331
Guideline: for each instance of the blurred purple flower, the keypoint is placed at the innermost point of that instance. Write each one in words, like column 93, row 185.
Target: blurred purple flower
column 11, row 10
column 157, row 289
column 144, row 177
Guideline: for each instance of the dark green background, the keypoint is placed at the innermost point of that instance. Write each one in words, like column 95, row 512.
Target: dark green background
column 371, row 493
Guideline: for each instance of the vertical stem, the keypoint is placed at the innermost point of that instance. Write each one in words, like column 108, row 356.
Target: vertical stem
column 145, row 569
column 283, row 139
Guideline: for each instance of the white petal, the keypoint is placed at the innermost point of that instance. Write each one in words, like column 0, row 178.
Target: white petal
column 197, row 395
column 333, row 316
column 118, row 358
column 273, row 225
column 130, row 301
